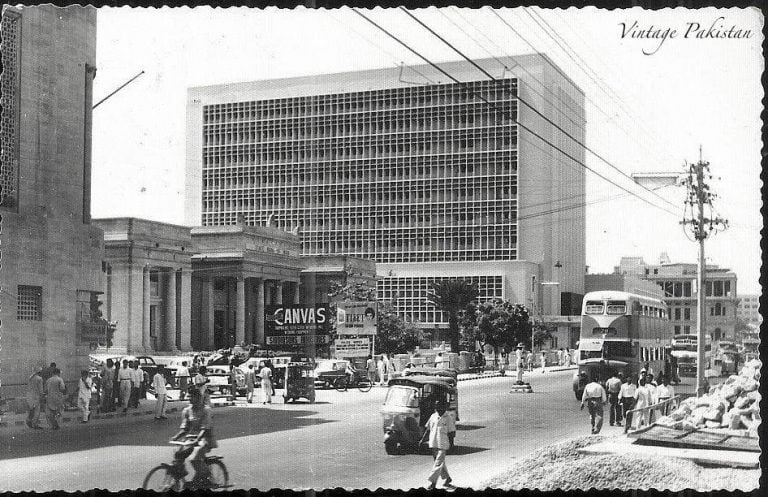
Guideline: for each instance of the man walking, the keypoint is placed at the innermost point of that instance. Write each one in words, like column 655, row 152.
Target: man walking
column 125, row 379
column 158, row 383
column 370, row 367
column 54, row 398
column 182, row 379
column 266, row 383
column 627, row 398
column 35, row 390
column 441, row 430
column 613, row 385
column 594, row 397
column 84, row 395
column 250, row 383
column 137, row 378
column 107, row 392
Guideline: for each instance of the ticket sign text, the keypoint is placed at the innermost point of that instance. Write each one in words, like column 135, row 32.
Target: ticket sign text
column 358, row 318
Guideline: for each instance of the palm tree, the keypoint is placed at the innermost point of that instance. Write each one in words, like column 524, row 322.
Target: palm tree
column 452, row 297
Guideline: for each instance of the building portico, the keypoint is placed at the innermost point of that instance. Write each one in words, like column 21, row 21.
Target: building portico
column 237, row 271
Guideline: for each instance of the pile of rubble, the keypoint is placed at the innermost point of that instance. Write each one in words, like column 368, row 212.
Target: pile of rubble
column 733, row 404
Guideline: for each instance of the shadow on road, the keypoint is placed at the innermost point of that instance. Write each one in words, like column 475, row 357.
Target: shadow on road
column 228, row 423
column 463, row 450
column 463, row 427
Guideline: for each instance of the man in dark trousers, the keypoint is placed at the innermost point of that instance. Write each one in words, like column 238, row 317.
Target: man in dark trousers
column 613, row 385
column 594, row 397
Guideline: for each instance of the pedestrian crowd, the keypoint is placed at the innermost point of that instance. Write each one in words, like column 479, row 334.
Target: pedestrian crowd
column 624, row 395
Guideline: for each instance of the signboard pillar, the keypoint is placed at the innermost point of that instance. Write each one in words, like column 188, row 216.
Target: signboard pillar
column 260, row 311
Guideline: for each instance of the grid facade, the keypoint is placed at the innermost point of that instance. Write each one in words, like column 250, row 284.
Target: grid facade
column 10, row 27
column 29, row 303
column 419, row 174
column 411, row 295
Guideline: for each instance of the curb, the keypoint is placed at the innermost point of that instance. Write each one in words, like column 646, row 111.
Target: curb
column 111, row 415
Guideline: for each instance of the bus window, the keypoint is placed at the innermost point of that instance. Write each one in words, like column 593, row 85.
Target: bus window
column 616, row 307
column 617, row 349
column 594, row 307
column 590, row 354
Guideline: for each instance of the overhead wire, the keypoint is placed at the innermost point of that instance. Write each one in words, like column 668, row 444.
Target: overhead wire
column 534, row 110
column 583, row 65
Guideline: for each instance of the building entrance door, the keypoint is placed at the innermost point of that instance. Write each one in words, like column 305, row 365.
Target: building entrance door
column 219, row 329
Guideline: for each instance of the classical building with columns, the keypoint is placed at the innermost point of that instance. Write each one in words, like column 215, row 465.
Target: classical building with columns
column 149, row 281
column 173, row 288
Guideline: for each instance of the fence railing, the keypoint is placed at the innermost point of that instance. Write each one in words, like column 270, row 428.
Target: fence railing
column 647, row 413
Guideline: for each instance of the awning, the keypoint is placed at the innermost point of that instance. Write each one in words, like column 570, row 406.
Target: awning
column 591, row 344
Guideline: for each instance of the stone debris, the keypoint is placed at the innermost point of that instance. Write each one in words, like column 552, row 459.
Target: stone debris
column 562, row 467
column 733, row 404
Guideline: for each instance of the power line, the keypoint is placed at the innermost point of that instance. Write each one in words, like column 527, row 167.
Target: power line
column 582, row 64
column 556, row 68
column 540, row 114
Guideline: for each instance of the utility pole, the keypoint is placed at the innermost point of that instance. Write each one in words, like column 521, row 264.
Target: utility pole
column 699, row 196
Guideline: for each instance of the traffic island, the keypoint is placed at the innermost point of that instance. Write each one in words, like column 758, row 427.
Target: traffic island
column 521, row 388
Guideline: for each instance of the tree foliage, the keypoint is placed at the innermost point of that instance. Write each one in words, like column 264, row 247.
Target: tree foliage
column 452, row 297
column 395, row 336
column 501, row 323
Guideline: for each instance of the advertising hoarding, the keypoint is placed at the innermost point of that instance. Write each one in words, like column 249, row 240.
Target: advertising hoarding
column 356, row 318
column 296, row 324
column 352, row 347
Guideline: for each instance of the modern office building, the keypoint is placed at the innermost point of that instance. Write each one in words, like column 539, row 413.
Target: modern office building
column 428, row 178
column 51, row 273
column 749, row 309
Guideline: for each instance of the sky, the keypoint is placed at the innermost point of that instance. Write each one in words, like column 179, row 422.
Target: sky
column 658, row 84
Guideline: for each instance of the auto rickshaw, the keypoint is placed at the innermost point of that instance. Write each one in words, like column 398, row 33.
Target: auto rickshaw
column 299, row 381
column 409, row 403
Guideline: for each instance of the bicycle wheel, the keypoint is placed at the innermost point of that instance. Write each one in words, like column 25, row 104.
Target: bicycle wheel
column 161, row 479
column 364, row 385
column 340, row 384
column 219, row 475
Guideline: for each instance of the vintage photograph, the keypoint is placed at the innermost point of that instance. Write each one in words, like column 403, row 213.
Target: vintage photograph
column 440, row 248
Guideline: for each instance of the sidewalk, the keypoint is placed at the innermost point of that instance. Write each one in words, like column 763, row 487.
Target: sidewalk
column 513, row 372
column 146, row 409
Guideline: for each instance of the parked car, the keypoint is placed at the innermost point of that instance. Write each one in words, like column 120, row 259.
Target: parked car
column 218, row 379
column 327, row 371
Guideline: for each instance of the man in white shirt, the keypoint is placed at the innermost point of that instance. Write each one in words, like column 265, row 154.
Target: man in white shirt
column 182, row 379
column 665, row 391
column 124, row 378
column 594, row 397
column 613, row 385
column 519, row 363
column 627, row 399
column 84, row 395
column 441, row 428
column 158, row 383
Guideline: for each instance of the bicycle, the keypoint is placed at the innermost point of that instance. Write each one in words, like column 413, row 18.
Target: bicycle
column 165, row 477
column 362, row 383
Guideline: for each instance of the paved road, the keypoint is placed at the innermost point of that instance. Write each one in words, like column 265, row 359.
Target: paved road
column 336, row 442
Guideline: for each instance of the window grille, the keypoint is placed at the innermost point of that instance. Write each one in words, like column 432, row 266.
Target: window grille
column 29, row 303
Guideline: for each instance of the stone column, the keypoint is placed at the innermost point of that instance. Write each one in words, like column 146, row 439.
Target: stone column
column 185, row 318
column 208, row 295
column 145, row 338
column 279, row 292
column 240, row 315
column 296, row 292
column 259, row 338
column 170, row 322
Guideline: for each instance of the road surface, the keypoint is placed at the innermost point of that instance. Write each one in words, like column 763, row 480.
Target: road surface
column 336, row 442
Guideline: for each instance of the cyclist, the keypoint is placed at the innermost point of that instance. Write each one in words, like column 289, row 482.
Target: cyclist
column 197, row 429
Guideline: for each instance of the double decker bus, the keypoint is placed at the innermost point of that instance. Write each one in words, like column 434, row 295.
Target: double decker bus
column 621, row 332
column 685, row 351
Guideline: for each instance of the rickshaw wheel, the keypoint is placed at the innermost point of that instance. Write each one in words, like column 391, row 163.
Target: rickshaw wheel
column 391, row 447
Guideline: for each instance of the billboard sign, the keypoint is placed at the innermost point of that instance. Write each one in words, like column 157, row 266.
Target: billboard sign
column 296, row 324
column 356, row 318
column 352, row 347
